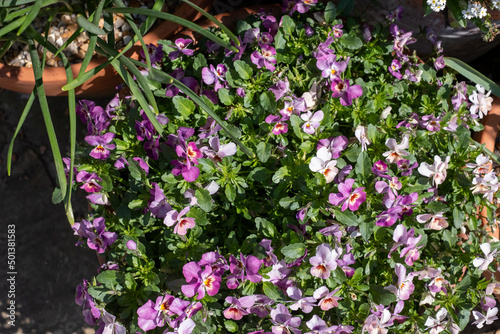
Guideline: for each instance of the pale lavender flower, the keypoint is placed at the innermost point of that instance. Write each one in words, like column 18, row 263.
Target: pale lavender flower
column 396, row 151
column 485, row 319
column 436, row 221
column 181, row 223
column 334, row 144
column 489, row 256
column 217, row 152
column 394, row 69
column 109, row 324
column 325, row 261
column 360, row 133
column 306, row 304
column 326, row 298
column 215, row 76
column 283, row 322
column 280, row 88
column 329, row 67
column 481, row 102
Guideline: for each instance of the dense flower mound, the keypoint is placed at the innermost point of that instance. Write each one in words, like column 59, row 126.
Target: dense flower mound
column 357, row 211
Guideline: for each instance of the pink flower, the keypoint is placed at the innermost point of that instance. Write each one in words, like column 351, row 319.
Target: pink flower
column 349, row 198
column 397, row 151
column 327, row 300
column 405, row 287
column 101, row 145
column 181, row 223
column 200, row 281
column 280, row 127
column 436, row 171
column 345, row 91
column 437, row 221
column 236, row 310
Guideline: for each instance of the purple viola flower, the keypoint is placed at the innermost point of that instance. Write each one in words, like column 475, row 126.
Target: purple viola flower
column 143, row 164
column 157, row 203
column 318, row 325
column 311, row 121
column 241, row 49
column 303, row 6
column 96, row 119
column 279, row 275
column 98, row 198
column 394, row 69
column 109, row 325
column 152, row 148
column 216, row 261
column 89, row 309
column 293, row 106
column 280, row 88
column 283, row 322
column 405, row 287
column 326, row 298
column 237, row 307
column 251, row 36
column 380, row 168
column 215, row 76
column 271, row 258
column 209, row 129
column 101, row 239
column 406, row 203
column 81, row 230
column 439, row 63
column 406, row 167
column 306, row 304
column 347, row 259
column 152, row 315
column 345, row 91
column 280, row 127
column 337, row 31
column 181, row 223
column 120, row 163
column 400, row 237
column 155, row 52
column 261, row 305
column 200, row 281
column 334, row 144
column 181, row 45
column 89, row 180
column 245, row 268
column 217, row 152
column 325, row 261
column 389, row 217
column 330, row 68
column 349, row 198
column 101, row 145
column 431, row 123
column 265, row 58
column 389, row 188
column 183, row 134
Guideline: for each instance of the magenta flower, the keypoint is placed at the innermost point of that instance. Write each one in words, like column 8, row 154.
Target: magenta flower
column 261, row 305
column 394, row 69
column 215, row 76
column 406, row 167
column 101, row 145
column 246, row 268
column 380, row 168
column 181, row 44
column 324, row 261
column 303, row 6
column 349, row 198
column 184, row 165
column 152, row 315
column 89, row 180
column 345, row 91
column 155, row 52
column 200, row 281
column 265, row 58
column 280, row 126
column 181, row 223
column 283, row 322
column 101, row 239
column 327, row 300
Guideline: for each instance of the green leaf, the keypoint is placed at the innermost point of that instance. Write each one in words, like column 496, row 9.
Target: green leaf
column 89, row 26
column 280, row 174
column 184, row 106
column 110, row 278
column 244, row 70
column 363, row 166
column 57, row 196
column 464, row 315
column 294, row 251
column 266, row 227
column 347, row 218
column 352, row 42
column 345, row 7
column 290, row 203
column 231, row 326
column 135, row 170
column 464, row 284
column 230, row 192
column 136, row 204
column 458, row 217
column 330, row 12
column 34, row 10
column 204, row 199
column 380, row 295
column 272, row 291
column 267, row 101
column 264, row 151
column 225, row 97
column 288, row 25
column 472, row 74
column 366, row 230
column 260, row 174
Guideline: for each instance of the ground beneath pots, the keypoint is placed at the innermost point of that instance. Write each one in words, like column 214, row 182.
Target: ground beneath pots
column 48, row 265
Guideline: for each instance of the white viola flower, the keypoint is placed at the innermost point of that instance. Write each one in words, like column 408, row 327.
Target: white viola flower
column 482, row 165
column 360, row 133
column 397, row 151
column 386, row 112
column 437, row 325
column 323, row 164
column 487, row 185
column 311, row 121
column 481, row 102
column 437, row 170
column 483, row 263
column 487, row 319
column 436, row 221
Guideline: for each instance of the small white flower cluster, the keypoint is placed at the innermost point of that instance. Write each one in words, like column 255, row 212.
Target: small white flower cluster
column 437, row 5
column 495, row 4
column 475, row 9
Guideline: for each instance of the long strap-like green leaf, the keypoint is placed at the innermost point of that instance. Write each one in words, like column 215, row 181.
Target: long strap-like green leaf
column 472, row 74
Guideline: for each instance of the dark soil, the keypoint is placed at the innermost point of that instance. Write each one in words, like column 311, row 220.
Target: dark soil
column 48, row 266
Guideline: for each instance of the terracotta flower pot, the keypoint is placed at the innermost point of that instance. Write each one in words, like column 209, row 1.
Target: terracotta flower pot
column 21, row 79
column 488, row 137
